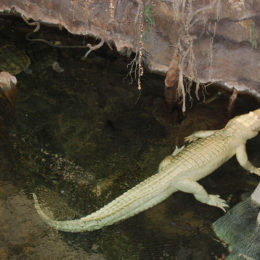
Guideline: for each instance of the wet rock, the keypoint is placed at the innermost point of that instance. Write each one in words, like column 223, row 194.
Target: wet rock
column 8, row 88
column 239, row 229
column 8, row 94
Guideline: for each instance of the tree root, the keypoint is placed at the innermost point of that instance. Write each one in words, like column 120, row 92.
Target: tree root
column 58, row 44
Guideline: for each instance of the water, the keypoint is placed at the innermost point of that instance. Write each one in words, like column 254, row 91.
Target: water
column 84, row 136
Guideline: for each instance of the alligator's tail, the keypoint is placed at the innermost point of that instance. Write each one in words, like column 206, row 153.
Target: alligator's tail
column 143, row 196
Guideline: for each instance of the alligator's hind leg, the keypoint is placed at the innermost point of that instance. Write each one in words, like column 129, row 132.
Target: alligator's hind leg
column 167, row 160
column 200, row 193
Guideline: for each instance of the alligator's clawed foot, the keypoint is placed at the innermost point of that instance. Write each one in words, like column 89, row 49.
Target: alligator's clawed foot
column 256, row 171
column 215, row 200
column 190, row 138
column 177, row 150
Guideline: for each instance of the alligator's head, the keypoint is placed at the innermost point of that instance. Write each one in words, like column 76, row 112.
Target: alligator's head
column 253, row 120
column 246, row 126
column 256, row 123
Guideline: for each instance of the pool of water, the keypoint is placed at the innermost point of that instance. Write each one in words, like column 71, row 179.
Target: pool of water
column 84, row 136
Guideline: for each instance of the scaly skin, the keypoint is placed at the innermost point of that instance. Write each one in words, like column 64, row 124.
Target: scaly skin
column 180, row 171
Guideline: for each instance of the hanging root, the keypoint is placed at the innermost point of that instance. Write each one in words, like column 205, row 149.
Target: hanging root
column 182, row 89
column 133, row 68
column 231, row 104
column 92, row 48
column 186, row 18
column 141, row 45
column 57, row 44
column 136, row 65
column 171, row 82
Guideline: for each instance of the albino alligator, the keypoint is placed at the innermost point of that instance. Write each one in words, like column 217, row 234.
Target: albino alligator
column 180, row 171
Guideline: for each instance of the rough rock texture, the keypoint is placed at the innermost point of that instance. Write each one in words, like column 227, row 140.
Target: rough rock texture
column 240, row 230
column 216, row 40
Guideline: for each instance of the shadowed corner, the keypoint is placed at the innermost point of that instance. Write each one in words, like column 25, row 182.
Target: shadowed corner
column 240, row 228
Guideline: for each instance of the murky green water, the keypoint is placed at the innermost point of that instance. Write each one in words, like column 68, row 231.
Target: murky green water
column 81, row 138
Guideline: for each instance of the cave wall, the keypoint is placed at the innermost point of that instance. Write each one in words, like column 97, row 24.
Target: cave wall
column 215, row 40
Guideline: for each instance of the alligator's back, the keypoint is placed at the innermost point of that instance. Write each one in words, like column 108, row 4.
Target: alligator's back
column 195, row 161
column 202, row 156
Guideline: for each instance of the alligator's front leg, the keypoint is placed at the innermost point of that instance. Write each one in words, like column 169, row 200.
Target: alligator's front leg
column 243, row 160
column 190, row 186
column 199, row 134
